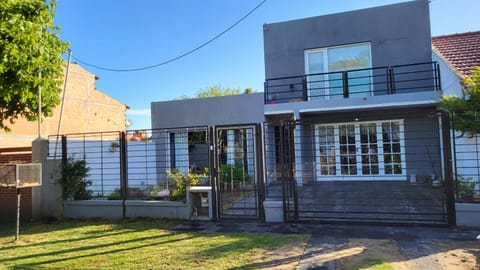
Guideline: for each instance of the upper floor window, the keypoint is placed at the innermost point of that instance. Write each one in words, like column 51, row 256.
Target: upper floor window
column 325, row 68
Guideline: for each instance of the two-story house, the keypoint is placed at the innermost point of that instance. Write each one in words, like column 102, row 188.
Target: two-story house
column 351, row 129
column 363, row 86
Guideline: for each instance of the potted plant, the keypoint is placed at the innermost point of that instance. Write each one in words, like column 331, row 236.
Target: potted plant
column 465, row 189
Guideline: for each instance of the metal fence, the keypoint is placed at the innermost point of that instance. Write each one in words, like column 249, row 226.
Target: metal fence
column 137, row 160
column 466, row 156
column 373, row 169
column 396, row 166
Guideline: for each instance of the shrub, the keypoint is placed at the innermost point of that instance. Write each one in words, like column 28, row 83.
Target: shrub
column 234, row 173
column 73, row 181
column 182, row 181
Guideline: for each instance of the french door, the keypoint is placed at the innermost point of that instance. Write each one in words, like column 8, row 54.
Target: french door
column 360, row 151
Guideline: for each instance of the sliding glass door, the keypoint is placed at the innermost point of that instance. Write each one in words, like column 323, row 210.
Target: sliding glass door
column 324, row 67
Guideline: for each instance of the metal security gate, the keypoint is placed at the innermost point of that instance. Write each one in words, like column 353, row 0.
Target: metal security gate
column 373, row 171
column 238, row 182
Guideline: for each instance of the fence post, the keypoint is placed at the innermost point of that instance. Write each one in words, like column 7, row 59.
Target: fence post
column 449, row 182
column 439, row 79
column 64, row 150
column 123, row 171
column 212, row 169
column 345, row 84
column 391, row 81
column 260, row 169
column 304, row 88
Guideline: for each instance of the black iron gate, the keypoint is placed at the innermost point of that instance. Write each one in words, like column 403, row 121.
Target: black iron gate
column 238, row 182
column 372, row 171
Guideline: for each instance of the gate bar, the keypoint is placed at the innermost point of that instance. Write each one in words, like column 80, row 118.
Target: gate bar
column 449, row 190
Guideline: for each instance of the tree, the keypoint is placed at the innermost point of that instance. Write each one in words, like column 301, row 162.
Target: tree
column 466, row 109
column 29, row 44
column 218, row 91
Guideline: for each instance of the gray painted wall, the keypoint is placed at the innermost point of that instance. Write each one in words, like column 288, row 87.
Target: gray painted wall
column 399, row 34
column 422, row 141
column 228, row 110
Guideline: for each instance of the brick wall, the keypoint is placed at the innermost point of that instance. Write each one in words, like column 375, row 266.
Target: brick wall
column 8, row 204
column 86, row 109
column 8, row 196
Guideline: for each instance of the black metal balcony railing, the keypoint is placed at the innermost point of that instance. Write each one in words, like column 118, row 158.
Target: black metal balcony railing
column 375, row 81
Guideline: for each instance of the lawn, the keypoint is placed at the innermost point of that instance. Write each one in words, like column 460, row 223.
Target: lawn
column 131, row 244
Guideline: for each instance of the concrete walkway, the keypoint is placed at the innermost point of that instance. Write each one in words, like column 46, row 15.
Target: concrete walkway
column 416, row 244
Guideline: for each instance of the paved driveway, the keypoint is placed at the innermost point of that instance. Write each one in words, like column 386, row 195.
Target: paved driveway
column 348, row 246
column 370, row 201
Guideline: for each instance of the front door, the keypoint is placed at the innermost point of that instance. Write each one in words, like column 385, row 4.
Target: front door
column 360, row 151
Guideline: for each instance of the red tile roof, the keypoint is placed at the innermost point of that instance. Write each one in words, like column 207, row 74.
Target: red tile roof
column 462, row 51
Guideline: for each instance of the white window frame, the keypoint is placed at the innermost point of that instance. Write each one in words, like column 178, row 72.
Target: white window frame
column 381, row 163
column 326, row 61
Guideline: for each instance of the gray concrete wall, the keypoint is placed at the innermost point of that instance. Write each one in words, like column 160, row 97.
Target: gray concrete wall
column 47, row 199
column 133, row 209
column 228, row 110
column 468, row 214
column 398, row 33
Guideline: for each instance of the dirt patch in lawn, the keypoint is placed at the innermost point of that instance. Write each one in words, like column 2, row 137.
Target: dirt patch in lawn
column 286, row 257
column 385, row 254
column 459, row 255
column 371, row 254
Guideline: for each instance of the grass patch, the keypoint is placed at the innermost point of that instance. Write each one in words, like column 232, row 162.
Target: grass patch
column 375, row 264
column 130, row 244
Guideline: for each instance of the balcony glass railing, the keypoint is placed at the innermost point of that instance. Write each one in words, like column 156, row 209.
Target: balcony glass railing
column 375, row 81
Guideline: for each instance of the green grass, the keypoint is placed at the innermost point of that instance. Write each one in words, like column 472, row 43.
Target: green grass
column 130, row 244
column 376, row 264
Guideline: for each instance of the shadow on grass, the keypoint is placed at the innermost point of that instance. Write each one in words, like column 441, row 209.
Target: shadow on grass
column 38, row 264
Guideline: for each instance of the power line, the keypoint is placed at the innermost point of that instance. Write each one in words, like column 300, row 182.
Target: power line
column 177, row 57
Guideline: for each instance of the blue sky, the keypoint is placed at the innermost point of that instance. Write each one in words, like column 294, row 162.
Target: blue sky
column 125, row 34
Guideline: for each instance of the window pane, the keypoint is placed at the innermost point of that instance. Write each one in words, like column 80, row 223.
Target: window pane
column 316, row 83
column 350, row 58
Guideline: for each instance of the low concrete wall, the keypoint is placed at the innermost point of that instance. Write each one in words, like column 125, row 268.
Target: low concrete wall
column 273, row 211
column 156, row 209
column 93, row 209
column 468, row 214
column 112, row 209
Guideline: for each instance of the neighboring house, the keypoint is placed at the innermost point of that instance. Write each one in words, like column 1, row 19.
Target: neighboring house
column 458, row 54
column 86, row 109
column 364, row 89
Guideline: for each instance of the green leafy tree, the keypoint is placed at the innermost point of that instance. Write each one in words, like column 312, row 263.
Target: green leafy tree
column 466, row 109
column 218, row 91
column 29, row 43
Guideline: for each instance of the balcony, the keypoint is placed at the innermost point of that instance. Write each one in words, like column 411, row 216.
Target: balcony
column 358, row 83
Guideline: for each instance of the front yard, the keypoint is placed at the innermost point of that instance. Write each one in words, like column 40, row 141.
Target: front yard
column 139, row 244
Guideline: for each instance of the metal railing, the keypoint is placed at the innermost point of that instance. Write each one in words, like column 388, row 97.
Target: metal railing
column 366, row 82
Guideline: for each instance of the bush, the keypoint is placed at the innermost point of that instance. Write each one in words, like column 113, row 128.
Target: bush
column 115, row 195
column 234, row 173
column 182, row 181
column 73, row 180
